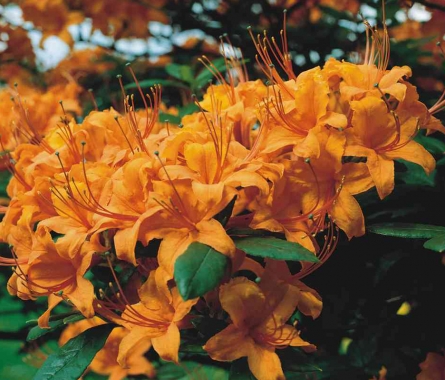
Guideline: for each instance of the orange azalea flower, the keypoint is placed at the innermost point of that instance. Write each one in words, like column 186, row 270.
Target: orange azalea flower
column 158, row 316
column 297, row 116
column 53, row 272
column 29, row 114
column 379, row 135
column 184, row 214
column 327, row 186
column 76, row 205
column 105, row 361
column 21, row 240
column 238, row 104
column 280, row 212
column 258, row 327
column 277, row 271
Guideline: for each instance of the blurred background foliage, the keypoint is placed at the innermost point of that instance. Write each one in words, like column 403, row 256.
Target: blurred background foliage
column 383, row 296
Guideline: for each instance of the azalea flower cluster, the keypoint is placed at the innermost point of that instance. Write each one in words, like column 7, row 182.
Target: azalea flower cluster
column 122, row 190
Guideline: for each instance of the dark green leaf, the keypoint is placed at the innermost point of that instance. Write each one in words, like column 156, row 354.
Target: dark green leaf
column 431, row 144
column 440, row 162
column 12, row 364
column 205, row 75
column 188, row 109
column 274, row 248
column 36, row 332
column 5, row 176
column 437, row 243
column 208, row 327
column 189, row 370
column 195, row 349
column 75, row 356
column 435, row 234
column 198, row 270
column 415, row 175
column 407, row 230
column 239, row 370
column 224, row 215
column 173, row 119
column 181, row 72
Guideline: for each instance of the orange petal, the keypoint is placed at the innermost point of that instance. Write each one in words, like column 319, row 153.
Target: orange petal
column 243, row 300
column 414, row 152
column 212, row 233
column 167, row 345
column 229, row 344
column 202, row 159
column 382, row 173
column 53, row 301
column 348, row 215
column 130, row 341
column 82, row 297
column 265, row 363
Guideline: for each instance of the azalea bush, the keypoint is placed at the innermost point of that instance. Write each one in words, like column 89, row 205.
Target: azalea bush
column 223, row 213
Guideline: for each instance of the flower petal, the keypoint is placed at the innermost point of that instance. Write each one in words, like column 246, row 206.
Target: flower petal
column 265, row 363
column 230, row 344
column 167, row 345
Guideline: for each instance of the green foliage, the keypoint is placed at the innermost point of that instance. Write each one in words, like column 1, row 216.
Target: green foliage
column 274, row 248
column 435, row 234
column 12, row 365
column 198, row 270
column 37, row 332
column 75, row 356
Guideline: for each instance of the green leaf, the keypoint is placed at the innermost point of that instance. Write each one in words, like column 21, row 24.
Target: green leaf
column 75, row 356
column 198, row 270
column 188, row 109
column 189, row 370
column 274, row 248
column 5, row 176
column 205, row 75
column 224, row 215
column 431, row 144
column 181, row 72
column 435, row 234
column 437, row 243
column 239, row 370
column 415, row 175
column 12, row 364
column 36, row 332
column 440, row 162
column 151, row 82
column 173, row 119
column 407, row 230
column 208, row 326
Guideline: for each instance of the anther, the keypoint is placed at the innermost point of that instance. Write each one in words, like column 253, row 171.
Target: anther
column 307, row 160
